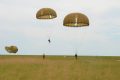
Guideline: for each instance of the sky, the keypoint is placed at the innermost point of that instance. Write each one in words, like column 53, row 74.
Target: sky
column 19, row 26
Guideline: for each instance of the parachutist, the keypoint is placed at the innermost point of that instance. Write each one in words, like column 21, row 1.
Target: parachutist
column 76, row 56
column 49, row 40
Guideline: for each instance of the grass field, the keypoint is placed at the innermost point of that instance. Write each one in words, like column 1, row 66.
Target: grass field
column 59, row 68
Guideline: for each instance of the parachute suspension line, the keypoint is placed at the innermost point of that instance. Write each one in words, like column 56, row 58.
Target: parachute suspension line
column 49, row 33
column 49, row 40
column 81, row 38
column 76, row 51
column 75, row 47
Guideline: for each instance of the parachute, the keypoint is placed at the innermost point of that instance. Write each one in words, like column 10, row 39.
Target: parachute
column 46, row 13
column 11, row 49
column 76, row 20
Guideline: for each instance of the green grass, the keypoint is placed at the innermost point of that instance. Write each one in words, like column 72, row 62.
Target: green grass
column 59, row 68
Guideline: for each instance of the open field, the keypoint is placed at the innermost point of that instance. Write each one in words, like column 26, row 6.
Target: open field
column 59, row 68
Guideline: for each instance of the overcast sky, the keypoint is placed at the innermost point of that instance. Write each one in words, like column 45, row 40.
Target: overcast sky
column 19, row 26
